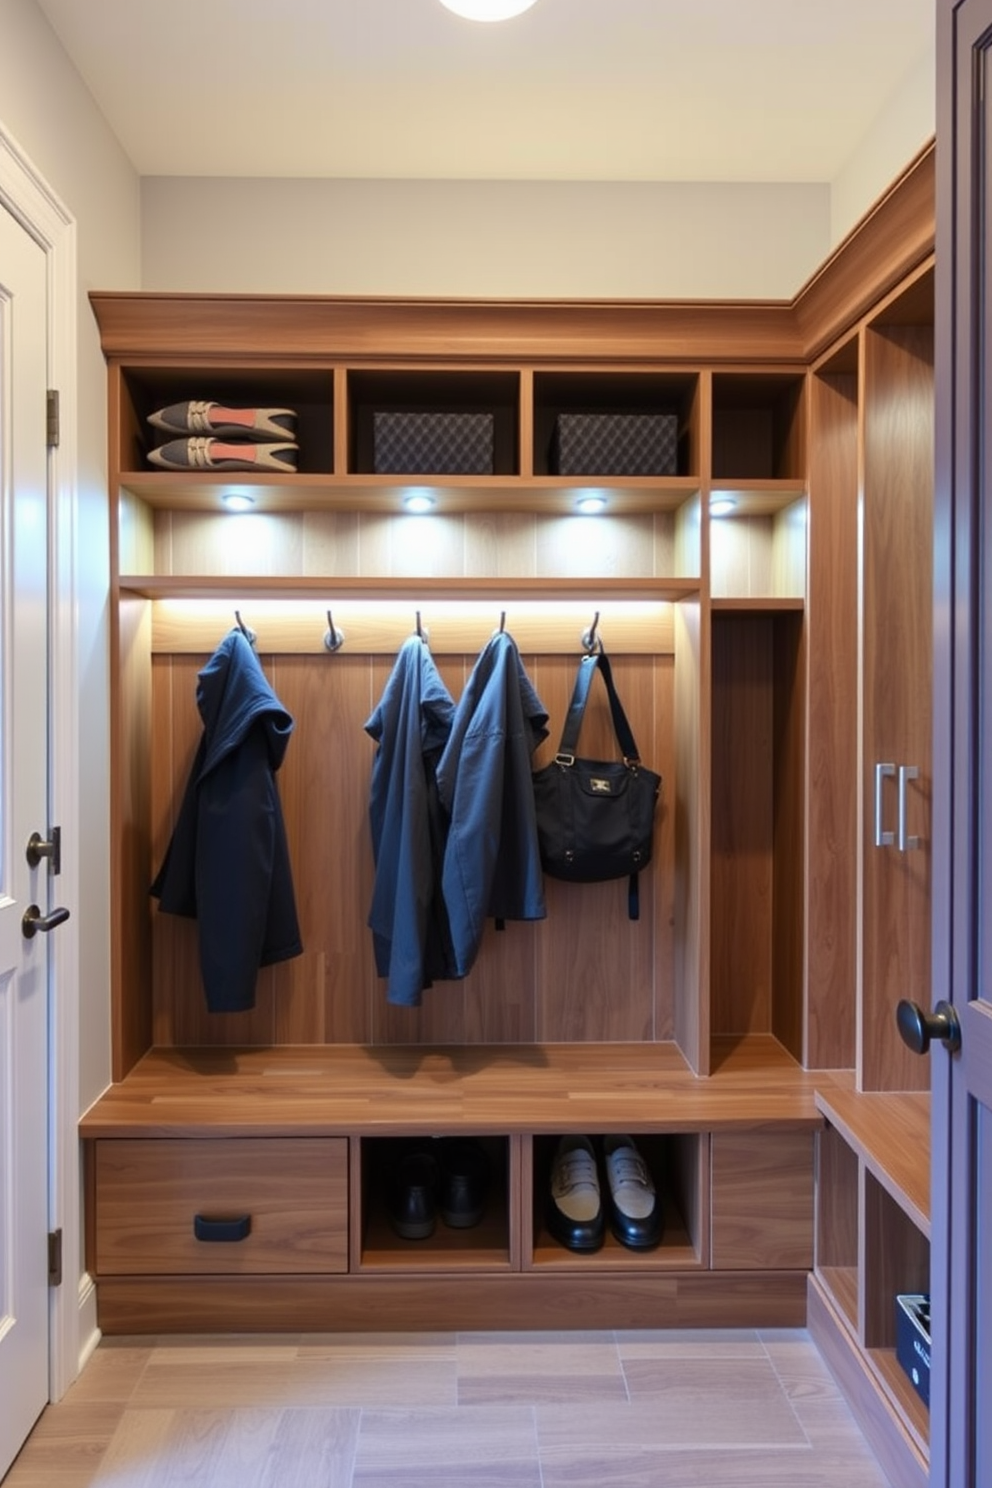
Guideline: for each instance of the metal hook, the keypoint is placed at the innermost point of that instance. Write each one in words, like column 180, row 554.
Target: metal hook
column 422, row 630
column 333, row 639
column 502, row 621
column 245, row 630
column 589, row 639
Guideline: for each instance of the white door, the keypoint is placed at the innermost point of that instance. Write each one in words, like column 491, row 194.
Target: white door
column 23, row 811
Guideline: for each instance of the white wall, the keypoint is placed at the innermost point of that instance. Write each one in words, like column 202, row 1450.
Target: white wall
column 47, row 111
column 905, row 124
column 488, row 239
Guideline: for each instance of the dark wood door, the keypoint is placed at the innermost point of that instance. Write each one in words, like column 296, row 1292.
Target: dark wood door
column 961, row 1391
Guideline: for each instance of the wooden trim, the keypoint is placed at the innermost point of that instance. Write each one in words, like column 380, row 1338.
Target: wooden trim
column 896, row 1450
column 895, row 235
column 514, row 1301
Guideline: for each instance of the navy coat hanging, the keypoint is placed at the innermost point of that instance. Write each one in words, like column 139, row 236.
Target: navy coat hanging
column 227, row 865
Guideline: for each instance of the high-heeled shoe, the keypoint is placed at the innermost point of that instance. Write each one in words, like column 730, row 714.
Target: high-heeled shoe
column 200, row 416
column 217, row 454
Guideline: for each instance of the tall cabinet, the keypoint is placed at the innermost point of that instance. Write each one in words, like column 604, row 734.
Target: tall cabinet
column 745, row 600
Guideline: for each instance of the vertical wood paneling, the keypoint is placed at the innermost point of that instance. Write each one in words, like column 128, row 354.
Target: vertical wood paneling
column 691, row 820
column 831, row 802
column 131, row 706
column 789, row 797
column 741, row 857
column 898, row 627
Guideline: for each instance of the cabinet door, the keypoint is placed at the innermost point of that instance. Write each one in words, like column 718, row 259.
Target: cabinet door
column 896, row 537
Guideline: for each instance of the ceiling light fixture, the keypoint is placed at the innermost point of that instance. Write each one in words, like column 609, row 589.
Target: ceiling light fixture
column 722, row 506
column 488, row 10
column 418, row 502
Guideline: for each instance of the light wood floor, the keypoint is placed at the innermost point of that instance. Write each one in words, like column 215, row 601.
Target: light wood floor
column 542, row 1410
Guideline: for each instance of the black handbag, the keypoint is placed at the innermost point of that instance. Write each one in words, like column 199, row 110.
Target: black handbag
column 595, row 818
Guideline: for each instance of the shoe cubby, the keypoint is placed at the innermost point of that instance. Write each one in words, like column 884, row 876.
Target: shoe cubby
column 675, row 394
column 388, row 1163
column 310, row 393
column 897, row 1263
column 679, row 1167
column 445, row 393
column 759, row 426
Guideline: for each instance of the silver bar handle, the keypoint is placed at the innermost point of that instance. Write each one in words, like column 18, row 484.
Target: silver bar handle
column 906, row 773
column 882, row 773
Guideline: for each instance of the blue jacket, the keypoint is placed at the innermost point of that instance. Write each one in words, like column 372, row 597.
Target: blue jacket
column 409, row 927
column 227, row 865
column 492, row 862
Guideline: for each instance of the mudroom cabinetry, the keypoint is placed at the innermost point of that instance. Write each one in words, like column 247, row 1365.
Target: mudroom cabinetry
column 713, row 1028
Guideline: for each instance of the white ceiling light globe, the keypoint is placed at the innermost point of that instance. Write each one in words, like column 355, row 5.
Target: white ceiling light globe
column 488, row 10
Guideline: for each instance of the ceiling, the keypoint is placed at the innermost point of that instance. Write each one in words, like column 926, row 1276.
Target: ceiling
column 601, row 90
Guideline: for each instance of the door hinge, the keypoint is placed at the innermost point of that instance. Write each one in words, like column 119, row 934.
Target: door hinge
column 55, row 1258
column 52, row 418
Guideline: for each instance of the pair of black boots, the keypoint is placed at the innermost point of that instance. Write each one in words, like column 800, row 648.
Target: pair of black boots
column 444, row 1175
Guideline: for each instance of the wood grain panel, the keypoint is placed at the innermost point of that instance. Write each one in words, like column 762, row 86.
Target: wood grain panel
column 898, row 625
column 131, row 725
column 832, row 610
column 171, row 1305
column 741, row 864
column 896, row 1260
column 324, row 790
column 789, row 653
column 837, row 1221
column 692, row 826
column 293, row 1191
column 891, row 1135
column 761, row 1200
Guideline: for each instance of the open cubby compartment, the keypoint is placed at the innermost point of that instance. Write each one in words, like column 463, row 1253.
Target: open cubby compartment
column 896, row 1263
column 758, row 547
column 759, row 429
column 679, row 1166
column 605, row 392
column 758, row 827
column 454, row 391
column 309, row 392
column 487, row 1246
column 837, row 1227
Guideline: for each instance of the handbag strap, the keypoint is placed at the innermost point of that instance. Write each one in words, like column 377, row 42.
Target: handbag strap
column 588, row 666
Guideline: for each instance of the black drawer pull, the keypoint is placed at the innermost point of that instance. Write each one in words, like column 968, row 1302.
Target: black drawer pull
column 223, row 1230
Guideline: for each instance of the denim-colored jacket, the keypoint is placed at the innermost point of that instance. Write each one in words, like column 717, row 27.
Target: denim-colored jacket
column 492, row 862
column 411, row 725
column 227, row 865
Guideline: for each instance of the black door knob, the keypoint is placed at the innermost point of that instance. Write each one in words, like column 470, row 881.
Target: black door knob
column 918, row 1028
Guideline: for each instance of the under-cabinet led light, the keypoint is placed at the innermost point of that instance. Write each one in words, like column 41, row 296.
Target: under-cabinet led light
column 488, row 10
column 418, row 502
column 237, row 501
column 590, row 506
column 722, row 506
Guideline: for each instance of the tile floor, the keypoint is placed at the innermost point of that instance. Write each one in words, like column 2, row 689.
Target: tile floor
column 541, row 1410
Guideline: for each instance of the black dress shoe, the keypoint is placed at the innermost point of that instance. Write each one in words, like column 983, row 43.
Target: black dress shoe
column 411, row 1197
column 464, row 1182
column 575, row 1206
column 636, row 1211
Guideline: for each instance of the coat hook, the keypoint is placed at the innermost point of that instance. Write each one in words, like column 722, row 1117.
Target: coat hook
column 246, row 630
column 333, row 639
column 422, row 630
column 589, row 640
column 502, row 621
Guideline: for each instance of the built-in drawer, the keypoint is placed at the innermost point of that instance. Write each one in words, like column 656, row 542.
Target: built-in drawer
column 236, row 1205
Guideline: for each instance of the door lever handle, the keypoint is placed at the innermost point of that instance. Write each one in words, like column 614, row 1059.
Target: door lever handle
column 33, row 920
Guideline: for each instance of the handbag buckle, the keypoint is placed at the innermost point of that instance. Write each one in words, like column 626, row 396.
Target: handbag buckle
column 564, row 759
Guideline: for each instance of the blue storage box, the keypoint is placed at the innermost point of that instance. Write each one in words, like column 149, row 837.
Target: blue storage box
column 913, row 1340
